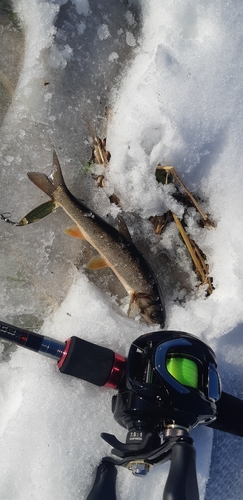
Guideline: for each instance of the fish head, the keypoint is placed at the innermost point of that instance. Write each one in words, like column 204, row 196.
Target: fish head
column 151, row 308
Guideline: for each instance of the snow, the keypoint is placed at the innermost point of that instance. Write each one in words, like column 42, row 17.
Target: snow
column 171, row 75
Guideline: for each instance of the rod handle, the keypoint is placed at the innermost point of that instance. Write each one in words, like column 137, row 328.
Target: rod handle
column 104, row 487
column 91, row 362
column 181, row 483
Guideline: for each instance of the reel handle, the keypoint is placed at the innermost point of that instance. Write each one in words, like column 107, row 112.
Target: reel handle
column 104, row 486
column 181, row 482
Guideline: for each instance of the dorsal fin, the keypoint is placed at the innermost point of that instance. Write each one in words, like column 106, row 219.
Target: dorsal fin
column 123, row 229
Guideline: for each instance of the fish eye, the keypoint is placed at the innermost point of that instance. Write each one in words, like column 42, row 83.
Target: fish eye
column 154, row 315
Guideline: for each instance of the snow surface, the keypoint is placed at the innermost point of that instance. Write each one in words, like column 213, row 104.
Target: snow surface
column 171, row 75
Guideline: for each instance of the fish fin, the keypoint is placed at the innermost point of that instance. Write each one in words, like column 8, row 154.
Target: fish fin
column 42, row 182
column 123, row 229
column 57, row 174
column 97, row 262
column 74, row 231
column 51, row 183
column 131, row 304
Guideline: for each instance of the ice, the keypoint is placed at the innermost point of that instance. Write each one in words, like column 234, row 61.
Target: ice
column 170, row 74
column 103, row 32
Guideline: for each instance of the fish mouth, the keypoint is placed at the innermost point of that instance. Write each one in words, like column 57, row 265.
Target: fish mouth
column 150, row 308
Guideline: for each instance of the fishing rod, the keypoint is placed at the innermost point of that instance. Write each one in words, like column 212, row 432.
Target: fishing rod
column 168, row 384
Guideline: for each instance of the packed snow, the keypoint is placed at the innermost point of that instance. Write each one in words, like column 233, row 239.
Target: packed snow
column 163, row 82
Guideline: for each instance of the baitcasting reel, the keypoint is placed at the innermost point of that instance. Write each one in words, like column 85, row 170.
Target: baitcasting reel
column 170, row 385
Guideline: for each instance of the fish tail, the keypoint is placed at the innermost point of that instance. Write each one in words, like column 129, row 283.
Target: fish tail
column 48, row 184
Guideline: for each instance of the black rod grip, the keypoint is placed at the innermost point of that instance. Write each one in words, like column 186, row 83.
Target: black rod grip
column 181, row 483
column 88, row 361
column 104, row 487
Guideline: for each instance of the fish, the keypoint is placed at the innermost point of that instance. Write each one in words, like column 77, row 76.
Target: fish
column 114, row 247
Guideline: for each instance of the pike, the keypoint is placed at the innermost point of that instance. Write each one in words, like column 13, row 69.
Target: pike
column 115, row 248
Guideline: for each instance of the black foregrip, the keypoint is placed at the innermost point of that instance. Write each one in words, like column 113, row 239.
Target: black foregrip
column 181, row 483
column 230, row 415
column 88, row 361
